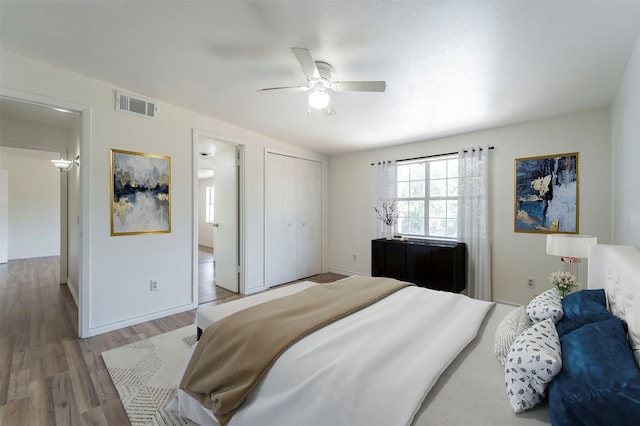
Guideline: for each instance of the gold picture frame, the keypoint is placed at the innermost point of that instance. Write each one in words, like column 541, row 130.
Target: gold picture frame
column 547, row 194
column 140, row 193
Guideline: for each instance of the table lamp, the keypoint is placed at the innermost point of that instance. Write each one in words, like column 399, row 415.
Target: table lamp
column 571, row 249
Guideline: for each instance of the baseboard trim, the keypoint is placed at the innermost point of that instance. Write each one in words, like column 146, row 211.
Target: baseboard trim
column 94, row 331
column 345, row 272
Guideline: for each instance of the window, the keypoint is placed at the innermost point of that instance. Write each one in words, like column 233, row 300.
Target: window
column 428, row 198
column 209, row 204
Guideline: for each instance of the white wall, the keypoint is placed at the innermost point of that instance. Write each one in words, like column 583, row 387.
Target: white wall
column 205, row 230
column 516, row 256
column 118, row 269
column 4, row 213
column 33, row 203
column 626, row 152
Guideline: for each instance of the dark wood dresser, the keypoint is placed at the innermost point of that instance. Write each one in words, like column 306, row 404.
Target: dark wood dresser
column 440, row 265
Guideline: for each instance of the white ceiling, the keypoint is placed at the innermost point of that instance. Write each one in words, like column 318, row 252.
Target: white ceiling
column 450, row 66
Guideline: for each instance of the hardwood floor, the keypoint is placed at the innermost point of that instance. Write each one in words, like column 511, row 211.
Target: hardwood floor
column 47, row 375
column 207, row 290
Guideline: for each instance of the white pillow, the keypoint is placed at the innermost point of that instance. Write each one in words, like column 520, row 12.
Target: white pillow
column 546, row 305
column 534, row 359
column 511, row 326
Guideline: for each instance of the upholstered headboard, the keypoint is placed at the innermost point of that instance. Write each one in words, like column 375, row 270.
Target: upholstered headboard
column 616, row 269
column 597, row 271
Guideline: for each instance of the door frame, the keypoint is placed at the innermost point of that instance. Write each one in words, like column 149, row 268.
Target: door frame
column 84, row 250
column 195, row 137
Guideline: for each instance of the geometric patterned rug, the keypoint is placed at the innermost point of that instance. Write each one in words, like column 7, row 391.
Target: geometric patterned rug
column 146, row 373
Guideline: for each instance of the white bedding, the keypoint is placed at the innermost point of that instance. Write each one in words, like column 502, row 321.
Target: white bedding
column 470, row 391
column 374, row 367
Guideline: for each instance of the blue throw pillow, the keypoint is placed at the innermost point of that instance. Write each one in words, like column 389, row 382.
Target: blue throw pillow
column 599, row 383
column 582, row 307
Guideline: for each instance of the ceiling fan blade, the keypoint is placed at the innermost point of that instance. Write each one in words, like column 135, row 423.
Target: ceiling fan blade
column 306, row 62
column 287, row 89
column 359, row 86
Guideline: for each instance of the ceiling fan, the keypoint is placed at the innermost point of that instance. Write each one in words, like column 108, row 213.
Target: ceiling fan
column 320, row 82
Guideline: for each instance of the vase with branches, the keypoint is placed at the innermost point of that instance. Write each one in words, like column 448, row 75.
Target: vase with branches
column 388, row 214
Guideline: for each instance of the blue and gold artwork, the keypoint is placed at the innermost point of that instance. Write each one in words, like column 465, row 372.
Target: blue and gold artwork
column 140, row 198
column 546, row 194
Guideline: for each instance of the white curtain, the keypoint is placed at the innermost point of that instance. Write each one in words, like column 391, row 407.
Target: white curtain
column 473, row 219
column 386, row 188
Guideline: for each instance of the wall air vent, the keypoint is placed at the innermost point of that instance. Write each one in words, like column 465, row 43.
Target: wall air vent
column 136, row 105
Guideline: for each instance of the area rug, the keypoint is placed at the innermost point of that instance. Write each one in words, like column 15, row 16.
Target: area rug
column 146, row 374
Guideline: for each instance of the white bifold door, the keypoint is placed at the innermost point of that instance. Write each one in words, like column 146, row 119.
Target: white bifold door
column 293, row 237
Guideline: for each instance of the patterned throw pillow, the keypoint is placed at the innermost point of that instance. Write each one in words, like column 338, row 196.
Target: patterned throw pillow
column 511, row 326
column 534, row 359
column 546, row 305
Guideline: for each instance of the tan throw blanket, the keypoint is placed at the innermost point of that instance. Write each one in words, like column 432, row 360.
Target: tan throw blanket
column 235, row 352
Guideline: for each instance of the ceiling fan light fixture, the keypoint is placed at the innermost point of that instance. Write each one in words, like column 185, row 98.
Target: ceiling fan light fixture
column 320, row 81
column 319, row 99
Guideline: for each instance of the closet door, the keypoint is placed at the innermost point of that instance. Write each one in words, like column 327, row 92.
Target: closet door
column 289, row 210
column 280, row 219
column 309, row 215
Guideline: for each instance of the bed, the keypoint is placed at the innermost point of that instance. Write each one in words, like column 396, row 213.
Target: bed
column 362, row 370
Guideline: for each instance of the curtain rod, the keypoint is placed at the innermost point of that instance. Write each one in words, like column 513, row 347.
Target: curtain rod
column 438, row 155
column 427, row 156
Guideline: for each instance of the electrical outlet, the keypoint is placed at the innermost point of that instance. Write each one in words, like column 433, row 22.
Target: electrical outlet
column 531, row 282
column 153, row 285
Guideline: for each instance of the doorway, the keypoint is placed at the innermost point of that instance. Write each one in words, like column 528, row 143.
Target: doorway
column 218, row 220
column 66, row 125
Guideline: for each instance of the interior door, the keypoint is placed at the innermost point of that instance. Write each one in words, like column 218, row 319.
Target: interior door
column 280, row 219
column 225, row 231
column 273, row 220
column 309, row 208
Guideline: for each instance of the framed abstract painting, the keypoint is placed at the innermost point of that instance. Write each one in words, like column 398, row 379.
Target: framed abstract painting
column 140, row 193
column 547, row 194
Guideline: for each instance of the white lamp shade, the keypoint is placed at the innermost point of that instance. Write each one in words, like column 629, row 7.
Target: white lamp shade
column 319, row 99
column 63, row 165
column 570, row 245
column 66, row 165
